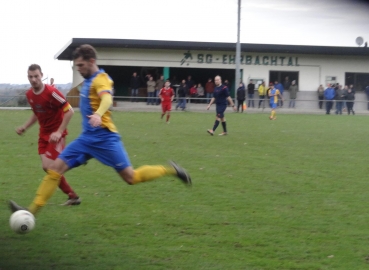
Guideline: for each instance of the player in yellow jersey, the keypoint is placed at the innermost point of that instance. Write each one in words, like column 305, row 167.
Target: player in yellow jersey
column 273, row 95
column 99, row 138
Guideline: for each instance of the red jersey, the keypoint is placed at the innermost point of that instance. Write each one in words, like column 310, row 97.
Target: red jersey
column 49, row 106
column 166, row 94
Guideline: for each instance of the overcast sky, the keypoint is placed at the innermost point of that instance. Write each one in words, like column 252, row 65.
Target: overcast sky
column 34, row 31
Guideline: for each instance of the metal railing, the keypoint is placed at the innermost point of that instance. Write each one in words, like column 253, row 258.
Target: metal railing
column 119, row 101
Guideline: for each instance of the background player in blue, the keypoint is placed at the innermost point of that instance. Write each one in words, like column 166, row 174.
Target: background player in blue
column 220, row 97
column 99, row 138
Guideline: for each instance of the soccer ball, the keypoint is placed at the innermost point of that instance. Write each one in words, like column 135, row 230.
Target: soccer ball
column 22, row 222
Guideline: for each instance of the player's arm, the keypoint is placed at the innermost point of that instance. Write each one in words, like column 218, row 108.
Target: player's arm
column 231, row 102
column 20, row 130
column 211, row 102
column 68, row 114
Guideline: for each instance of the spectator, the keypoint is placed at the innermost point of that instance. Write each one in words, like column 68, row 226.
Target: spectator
column 262, row 92
column 135, row 85
column 350, row 97
column 193, row 92
column 329, row 95
column 200, row 92
column 52, row 82
column 279, row 86
column 286, row 84
column 159, row 85
column 320, row 96
column 339, row 99
column 227, row 84
column 241, row 95
column 182, row 92
column 209, row 89
column 250, row 93
column 189, row 82
column 345, row 91
column 367, row 94
column 293, row 88
column 150, row 91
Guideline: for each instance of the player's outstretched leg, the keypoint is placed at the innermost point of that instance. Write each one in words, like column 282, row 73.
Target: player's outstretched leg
column 149, row 172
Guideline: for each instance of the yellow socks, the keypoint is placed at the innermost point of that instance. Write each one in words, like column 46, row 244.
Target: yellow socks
column 45, row 191
column 148, row 173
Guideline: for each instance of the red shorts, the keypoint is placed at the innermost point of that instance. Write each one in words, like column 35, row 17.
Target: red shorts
column 166, row 106
column 51, row 150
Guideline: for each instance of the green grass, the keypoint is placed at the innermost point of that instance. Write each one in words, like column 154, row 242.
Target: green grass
column 285, row 194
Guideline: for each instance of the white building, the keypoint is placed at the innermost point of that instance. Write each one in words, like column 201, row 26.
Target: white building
column 310, row 66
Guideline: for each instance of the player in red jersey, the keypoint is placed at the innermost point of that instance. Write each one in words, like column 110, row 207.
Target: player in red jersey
column 53, row 114
column 166, row 95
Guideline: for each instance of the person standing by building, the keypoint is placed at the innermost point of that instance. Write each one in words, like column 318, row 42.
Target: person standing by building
column 286, row 83
column 350, row 97
column 339, row 99
column 209, row 89
column 200, row 93
column 250, row 94
column 320, row 96
column 150, row 91
column 329, row 95
column 166, row 95
column 220, row 97
column 182, row 92
column 273, row 95
column 241, row 95
column 135, row 85
column 262, row 92
column 293, row 89
column 53, row 114
column 367, row 94
column 99, row 138
column 159, row 85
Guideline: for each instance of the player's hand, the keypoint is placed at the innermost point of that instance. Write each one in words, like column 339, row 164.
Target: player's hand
column 55, row 137
column 20, row 130
column 234, row 108
column 95, row 120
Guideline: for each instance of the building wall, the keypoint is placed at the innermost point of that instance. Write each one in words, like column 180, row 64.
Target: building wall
column 313, row 69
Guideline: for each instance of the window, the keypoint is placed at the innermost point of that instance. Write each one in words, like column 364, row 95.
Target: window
column 359, row 80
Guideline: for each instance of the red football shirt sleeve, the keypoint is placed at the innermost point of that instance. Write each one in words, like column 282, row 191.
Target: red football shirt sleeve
column 59, row 101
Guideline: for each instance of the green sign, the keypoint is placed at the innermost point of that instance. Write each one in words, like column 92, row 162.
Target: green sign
column 230, row 59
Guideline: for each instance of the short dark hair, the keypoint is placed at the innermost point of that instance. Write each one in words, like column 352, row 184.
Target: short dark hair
column 34, row 67
column 85, row 51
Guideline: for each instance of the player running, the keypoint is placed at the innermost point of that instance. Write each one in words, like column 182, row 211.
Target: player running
column 99, row 138
column 166, row 95
column 53, row 114
column 220, row 97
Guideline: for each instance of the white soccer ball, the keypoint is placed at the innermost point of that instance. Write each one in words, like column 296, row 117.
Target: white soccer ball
column 22, row 222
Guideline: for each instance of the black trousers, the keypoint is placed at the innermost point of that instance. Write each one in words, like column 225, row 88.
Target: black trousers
column 329, row 105
column 240, row 103
column 321, row 102
column 350, row 106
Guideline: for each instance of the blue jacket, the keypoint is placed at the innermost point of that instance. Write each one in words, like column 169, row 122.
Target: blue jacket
column 329, row 93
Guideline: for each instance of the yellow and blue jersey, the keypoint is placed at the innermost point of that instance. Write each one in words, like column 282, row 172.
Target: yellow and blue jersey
column 274, row 96
column 92, row 89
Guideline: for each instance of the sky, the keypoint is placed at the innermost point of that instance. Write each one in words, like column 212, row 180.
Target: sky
column 34, row 31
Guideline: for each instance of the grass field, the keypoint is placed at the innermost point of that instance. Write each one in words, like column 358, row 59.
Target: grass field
column 285, row 194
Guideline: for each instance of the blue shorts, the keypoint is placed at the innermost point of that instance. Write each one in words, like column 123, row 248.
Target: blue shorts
column 102, row 144
column 273, row 105
column 220, row 109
